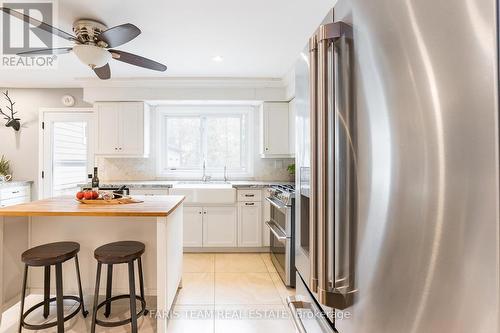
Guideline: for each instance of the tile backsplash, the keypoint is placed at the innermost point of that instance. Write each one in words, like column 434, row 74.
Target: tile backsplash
column 145, row 169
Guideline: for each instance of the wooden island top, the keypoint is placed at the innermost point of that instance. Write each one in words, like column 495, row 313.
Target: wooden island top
column 153, row 206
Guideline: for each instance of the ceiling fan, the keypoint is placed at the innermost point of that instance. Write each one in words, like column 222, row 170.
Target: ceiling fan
column 94, row 44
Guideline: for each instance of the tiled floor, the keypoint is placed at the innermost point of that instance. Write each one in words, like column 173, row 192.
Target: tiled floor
column 231, row 292
column 221, row 293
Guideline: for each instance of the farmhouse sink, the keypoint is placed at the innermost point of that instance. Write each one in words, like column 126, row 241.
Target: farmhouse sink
column 205, row 193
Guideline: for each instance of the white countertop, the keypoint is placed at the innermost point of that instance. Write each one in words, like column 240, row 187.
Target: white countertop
column 148, row 184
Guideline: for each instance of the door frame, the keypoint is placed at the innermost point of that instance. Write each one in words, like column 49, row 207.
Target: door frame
column 41, row 116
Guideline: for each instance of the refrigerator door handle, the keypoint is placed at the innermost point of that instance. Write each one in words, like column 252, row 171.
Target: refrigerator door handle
column 326, row 217
column 293, row 305
column 313, row 248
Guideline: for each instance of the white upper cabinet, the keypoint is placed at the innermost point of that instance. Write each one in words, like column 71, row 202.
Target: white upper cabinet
column 123, row 129
column 276, row 134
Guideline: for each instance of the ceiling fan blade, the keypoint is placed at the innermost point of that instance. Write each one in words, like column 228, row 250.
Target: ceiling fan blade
column 39, row 24
column 61, row 50
column 136, row 60
column 104, row 72
column 119, row 35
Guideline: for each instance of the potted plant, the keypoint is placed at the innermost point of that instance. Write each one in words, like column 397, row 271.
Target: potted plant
column 291, row 169
column 4, row 169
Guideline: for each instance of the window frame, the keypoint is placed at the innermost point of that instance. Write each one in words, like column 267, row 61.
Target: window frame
column 165, row 111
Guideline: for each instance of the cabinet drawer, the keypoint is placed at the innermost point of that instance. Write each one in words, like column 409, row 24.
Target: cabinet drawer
column 14, row 192
column 249, row 195
column 14, row 201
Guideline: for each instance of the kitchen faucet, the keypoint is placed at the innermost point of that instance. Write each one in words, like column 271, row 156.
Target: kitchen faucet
column 205, row 178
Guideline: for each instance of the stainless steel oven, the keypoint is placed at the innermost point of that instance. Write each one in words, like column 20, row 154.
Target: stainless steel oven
column 282, row 227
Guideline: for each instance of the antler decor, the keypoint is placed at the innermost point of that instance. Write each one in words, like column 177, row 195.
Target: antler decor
column 12, row 121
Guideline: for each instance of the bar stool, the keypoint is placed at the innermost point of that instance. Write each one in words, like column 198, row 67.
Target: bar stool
column 124, row 252
column 47, row 255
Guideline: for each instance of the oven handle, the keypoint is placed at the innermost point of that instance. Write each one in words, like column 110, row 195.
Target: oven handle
column 276, row 231
column 275, row 204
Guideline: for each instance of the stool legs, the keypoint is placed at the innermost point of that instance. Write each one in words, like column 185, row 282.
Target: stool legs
column 59, row 299
column 46, row 291
column 96, row 296
column 77, row 264
column 109, row 283
column 131, row 282
column 23, row 295
column 141, row 282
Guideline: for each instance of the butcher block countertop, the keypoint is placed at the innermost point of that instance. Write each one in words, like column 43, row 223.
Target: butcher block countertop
column 153, row 206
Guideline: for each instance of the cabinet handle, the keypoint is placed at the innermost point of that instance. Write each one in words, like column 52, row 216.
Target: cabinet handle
column 199, row 213
column 249, row 203
column 14, row 192
column 249, row 195
column 116, row 148
column 205, row 213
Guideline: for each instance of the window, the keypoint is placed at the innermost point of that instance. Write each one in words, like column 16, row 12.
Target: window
column 215, row 136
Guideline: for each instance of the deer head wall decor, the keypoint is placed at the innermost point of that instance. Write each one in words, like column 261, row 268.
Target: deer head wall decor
column 12, row 121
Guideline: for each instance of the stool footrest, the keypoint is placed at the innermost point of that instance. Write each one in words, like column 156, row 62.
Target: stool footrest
column 121, row 322
column 54, row 323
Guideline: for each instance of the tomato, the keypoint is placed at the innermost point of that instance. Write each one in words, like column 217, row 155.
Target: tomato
column 80, row 195
column 88, row 195
column 95, row 195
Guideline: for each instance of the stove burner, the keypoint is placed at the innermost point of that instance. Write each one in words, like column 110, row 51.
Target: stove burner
column 283, row 193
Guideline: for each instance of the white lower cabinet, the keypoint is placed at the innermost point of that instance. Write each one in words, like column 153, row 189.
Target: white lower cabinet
column 249, row 224
column 219, row 227
column 210, row 227
column 193, row 227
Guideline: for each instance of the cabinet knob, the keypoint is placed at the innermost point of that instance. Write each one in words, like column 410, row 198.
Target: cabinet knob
column 267, row 148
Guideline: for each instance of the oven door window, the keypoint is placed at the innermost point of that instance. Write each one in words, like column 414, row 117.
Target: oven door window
column 278, row 250
column 278, row 217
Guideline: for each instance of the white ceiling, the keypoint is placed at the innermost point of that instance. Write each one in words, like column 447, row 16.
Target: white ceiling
column 257, row 38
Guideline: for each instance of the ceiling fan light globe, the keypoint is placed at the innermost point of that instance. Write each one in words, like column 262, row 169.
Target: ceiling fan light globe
column 91, row 55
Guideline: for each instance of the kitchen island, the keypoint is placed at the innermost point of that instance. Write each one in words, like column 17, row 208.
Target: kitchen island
column 157, row 222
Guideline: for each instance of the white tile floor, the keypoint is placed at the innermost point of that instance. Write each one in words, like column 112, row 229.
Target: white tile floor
column 221, row 293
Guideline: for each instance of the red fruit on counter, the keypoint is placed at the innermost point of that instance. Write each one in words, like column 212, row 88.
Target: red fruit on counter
column 95, row 195
column 88, row 195
column 80, row 195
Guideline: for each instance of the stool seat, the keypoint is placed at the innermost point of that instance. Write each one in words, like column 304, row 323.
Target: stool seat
column 50, row 254
column 119, row 252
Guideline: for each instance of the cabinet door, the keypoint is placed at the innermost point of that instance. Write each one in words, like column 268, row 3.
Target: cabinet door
column 219, row 227
column 107, row 114
column 193, row 227
column 291, row 126
column 249, row 224
column 275, row 130
column 131, row 129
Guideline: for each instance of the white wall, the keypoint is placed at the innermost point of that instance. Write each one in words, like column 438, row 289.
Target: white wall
column 21, row 148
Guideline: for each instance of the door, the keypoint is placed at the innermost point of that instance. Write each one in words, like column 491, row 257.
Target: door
column 108, row 120
column 249, row 224
column 193, row 226
column 219, row 227
column 67, row 152
column 131, row 129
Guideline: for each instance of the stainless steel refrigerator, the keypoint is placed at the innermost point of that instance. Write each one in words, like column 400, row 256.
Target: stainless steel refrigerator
column 397, row 166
